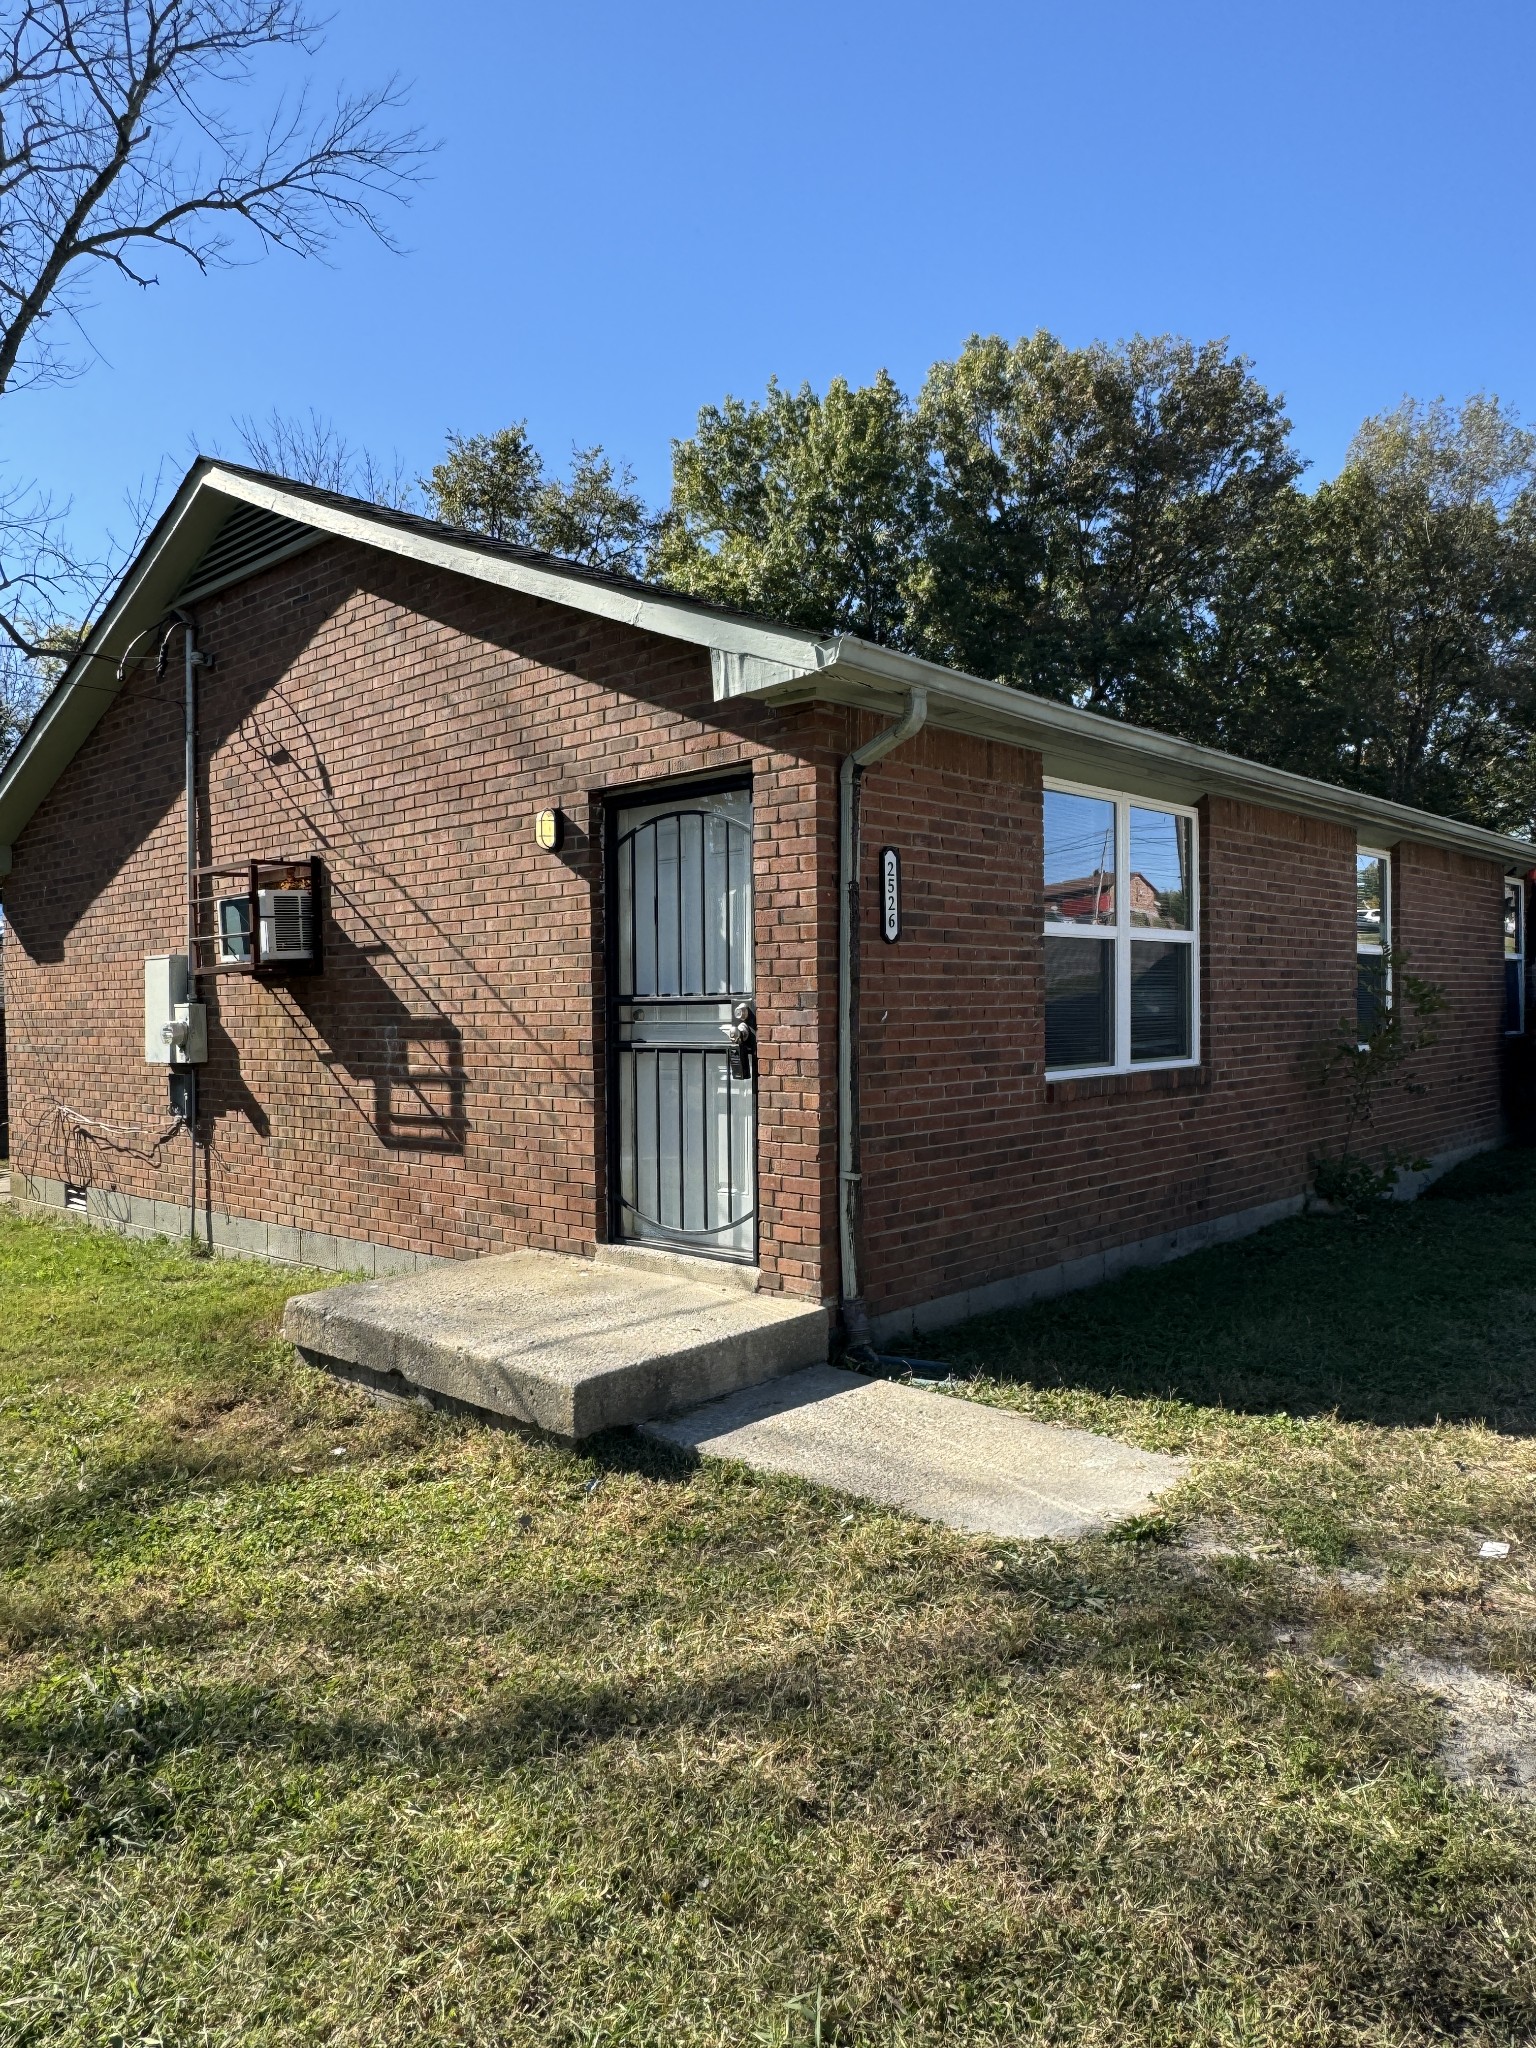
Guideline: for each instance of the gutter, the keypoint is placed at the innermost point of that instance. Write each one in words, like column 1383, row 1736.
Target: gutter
column 855, row 1320
column 852, row 671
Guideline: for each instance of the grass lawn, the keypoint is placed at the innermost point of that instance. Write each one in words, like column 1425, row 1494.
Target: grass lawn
column 321, row 1722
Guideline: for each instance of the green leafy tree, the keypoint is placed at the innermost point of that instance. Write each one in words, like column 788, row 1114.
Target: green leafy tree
column 25, row 680
column 23, row 685
column 1254, row 680
column 1063, row 519
column 1121, row 526
column 597, row 515
column 488, row 483
column 496, row 484
column 1088, row 508
column 1416, row 618
column 805, row 508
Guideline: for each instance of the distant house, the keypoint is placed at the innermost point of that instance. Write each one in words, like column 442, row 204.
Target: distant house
column 1090, row 899
column 505, row 906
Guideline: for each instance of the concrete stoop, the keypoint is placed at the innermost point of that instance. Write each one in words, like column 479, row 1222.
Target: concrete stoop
column 563, row 1345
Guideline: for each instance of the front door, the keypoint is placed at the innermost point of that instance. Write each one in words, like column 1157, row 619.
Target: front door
column 682, row 1098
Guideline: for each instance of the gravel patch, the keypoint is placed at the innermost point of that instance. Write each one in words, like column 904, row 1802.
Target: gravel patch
column 1490, row 1724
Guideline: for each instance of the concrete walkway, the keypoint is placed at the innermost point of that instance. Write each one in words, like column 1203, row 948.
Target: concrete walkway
column 941, row 1457
column 568, row 1346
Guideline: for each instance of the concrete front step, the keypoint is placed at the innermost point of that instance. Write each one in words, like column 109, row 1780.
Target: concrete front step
column 567, row 1346
column 938, row 1456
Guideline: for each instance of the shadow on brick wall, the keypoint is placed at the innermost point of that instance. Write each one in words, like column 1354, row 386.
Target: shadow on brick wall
column 406, row 1058
column 222, row 1089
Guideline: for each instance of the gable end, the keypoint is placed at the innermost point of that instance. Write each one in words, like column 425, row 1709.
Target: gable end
column 251, row 538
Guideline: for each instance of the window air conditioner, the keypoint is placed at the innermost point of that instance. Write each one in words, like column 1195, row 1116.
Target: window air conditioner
column 287, row 924
column 287, row 932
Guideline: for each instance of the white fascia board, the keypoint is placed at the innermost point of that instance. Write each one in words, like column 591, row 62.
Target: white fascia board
column 1087, row 747
column 79, row 700
column 787, row 648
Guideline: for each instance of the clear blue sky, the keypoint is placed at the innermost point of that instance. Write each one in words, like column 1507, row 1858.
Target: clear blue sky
column 639, row 208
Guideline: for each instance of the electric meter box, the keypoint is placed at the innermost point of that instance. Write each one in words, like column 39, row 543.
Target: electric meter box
column 175, row 1029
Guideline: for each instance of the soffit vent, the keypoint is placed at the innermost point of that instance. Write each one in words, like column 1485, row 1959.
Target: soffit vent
column 251, row 538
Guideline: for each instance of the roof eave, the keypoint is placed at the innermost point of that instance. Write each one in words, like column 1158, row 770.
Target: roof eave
column 655, row 612
column 748, row 658
column 743, row 651
column 1089, row 746
column 82, row 694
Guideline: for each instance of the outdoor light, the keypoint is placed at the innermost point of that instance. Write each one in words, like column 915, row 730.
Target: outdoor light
column 547, row 829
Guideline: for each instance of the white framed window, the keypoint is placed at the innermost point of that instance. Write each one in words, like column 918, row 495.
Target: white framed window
column 1514, row 956
column 1373, row 938
column 1122, row 958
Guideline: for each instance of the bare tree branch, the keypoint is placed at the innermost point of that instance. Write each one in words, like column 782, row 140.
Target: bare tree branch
column 315, row 451
column 114, row 139
column 50, row 594
column 119, row 143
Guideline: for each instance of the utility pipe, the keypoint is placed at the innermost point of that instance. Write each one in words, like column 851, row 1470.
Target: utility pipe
column 855, row 1321
column 192, row 662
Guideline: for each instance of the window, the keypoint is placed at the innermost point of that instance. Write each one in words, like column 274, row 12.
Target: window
column 1514, row 954
column 1120, row 968
column 1373, row 938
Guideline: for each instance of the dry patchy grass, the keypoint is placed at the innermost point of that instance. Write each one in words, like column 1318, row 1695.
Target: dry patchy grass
column 323, row 1722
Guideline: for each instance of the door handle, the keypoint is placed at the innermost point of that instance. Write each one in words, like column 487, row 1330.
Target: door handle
column 741, row 1035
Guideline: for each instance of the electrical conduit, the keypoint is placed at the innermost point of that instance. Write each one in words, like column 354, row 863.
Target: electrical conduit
column 192, row 662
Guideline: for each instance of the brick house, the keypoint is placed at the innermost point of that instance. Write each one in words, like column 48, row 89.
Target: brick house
column 5, row 1106
column 517, row 921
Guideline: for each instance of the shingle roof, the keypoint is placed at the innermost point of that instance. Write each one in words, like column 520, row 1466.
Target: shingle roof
column 504, row 550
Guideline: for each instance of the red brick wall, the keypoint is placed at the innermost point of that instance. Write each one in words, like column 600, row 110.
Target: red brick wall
column 976, row 1169
column 1444, row 907
column 407, row 724
column 950, row 1015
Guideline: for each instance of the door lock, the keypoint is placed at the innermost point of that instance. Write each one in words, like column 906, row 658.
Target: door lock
column 741, row 1033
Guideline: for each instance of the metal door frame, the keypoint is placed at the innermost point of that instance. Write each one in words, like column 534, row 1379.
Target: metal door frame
column 614, row 801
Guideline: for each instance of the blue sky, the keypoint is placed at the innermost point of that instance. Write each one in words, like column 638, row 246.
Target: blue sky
column 638, row 209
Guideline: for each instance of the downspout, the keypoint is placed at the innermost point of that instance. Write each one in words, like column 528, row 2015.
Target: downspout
column 855, row 1321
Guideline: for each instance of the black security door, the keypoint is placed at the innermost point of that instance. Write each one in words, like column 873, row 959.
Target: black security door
column 681, row 1024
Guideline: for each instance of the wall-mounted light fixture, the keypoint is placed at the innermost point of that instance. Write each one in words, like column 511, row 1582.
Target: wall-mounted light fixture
column 549, row 830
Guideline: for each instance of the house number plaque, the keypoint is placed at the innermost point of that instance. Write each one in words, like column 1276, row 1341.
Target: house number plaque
column 890, row 895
